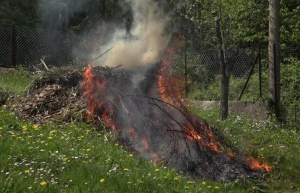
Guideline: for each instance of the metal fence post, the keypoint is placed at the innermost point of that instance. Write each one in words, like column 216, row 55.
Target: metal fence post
column 185, row 73
column 13, row 45
column 249, row 76
column 259, row 63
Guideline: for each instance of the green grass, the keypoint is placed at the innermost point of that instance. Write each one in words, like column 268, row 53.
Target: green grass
column 14, row 80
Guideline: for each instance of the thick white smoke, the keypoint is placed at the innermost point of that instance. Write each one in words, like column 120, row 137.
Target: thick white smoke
column 148, row 41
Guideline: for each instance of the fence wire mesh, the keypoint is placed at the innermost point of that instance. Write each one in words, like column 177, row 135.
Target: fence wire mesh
column 5, row 46
column 203, row 72
column 27, row 46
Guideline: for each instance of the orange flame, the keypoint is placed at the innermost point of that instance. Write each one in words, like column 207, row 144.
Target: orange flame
column 255, row 165
column 92, row 88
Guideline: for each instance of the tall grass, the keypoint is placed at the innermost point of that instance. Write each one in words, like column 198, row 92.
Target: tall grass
column 14, row 80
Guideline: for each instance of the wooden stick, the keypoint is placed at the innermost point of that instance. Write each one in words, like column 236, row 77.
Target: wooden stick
column 43, row 62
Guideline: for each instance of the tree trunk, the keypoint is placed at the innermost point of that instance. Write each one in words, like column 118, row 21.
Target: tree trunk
column 274, row 54
column 224, row 72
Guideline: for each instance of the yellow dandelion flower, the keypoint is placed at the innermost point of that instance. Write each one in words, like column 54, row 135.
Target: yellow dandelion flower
column 129, row 182
column 203, row 183
column 125, row 169
column 156, row 170
column 42, row 142
column 36, row 127
column 0, row 136
column 43, row 183
column 116, row 144
column 270, row 145
column 208, row 186
column 88, row 131
column 24, row 128
column 253, row 188
column 53, row 131
column 186, row 187
column 165, row 167
column 102, row 180
column 62, row 137
column 1, row 128
column 88, row 149
column 65, row 159
column 26, row 171
column 190, row 182
column 15, row 105
column 176, row 179
column 262, row 149
column 131, row 155
column 216, row 187
column 50, row 138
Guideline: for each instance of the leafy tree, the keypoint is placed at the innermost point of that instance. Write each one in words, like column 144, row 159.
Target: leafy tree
column 20, row 12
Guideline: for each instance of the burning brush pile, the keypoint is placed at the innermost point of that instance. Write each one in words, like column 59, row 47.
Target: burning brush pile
column 144, row 107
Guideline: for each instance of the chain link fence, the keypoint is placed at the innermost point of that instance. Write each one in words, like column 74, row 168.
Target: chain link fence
column 5, row 46
column 27, row 46
column 203, row 73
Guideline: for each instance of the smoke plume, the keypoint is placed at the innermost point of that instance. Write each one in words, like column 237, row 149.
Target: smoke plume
column 147, row 40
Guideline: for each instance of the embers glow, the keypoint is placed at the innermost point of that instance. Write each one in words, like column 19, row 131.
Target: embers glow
column 191, row 133
column 133, row 134
column 145, row 144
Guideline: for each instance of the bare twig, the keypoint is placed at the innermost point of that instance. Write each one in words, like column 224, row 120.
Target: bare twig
column 43, row 62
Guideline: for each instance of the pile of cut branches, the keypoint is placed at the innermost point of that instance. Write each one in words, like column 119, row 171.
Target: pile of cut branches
column 52, row 96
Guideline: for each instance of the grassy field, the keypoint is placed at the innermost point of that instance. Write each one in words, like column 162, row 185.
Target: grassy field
column 78, row 157
column 14, row 81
